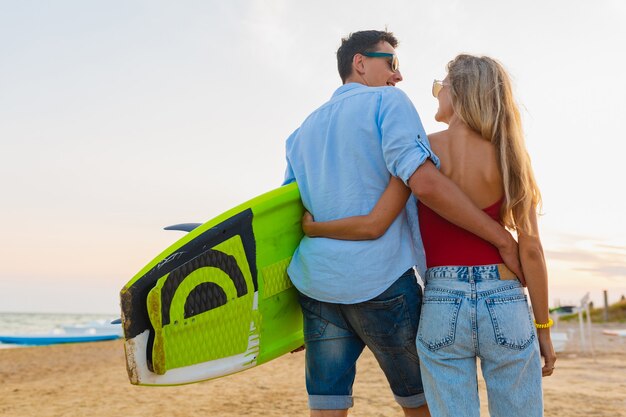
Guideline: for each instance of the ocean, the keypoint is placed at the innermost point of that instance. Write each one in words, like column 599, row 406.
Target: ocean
column 35, row 323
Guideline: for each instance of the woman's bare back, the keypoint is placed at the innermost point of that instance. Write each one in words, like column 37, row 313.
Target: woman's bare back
column 470, row 162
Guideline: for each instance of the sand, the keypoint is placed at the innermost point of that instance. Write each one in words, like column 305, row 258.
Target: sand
column 90, row 380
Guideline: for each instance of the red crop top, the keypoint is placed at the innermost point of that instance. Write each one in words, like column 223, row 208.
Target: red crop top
column 448, row 244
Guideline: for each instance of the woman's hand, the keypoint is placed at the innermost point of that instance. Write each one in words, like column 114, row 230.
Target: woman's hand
column 547, row 351
column 307, row 224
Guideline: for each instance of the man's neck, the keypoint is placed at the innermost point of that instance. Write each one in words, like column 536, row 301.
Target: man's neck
column 355, row 79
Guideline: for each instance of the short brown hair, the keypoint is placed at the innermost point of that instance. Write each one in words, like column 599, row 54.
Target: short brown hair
column 359, row 42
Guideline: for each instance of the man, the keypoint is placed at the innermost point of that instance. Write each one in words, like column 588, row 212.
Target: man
column 357, row 294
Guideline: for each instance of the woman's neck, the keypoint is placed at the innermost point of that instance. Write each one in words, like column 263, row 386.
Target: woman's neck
column 458, row 126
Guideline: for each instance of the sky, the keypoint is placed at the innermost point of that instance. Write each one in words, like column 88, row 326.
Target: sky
column 118, row 118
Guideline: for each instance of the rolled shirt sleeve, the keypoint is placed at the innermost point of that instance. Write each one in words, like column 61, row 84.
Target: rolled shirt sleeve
column 404, row 141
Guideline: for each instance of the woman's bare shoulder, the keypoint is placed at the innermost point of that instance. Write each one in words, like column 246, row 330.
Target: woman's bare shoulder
column 437, row 140
column 437, row 136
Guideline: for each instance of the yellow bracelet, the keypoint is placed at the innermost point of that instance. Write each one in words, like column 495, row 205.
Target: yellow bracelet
column 544, row 325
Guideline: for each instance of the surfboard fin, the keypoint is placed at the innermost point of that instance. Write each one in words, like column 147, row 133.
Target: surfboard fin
column 183, row 227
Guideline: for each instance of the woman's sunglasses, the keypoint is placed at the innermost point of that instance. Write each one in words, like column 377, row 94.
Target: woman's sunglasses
column 392, row 58
column 437, row 87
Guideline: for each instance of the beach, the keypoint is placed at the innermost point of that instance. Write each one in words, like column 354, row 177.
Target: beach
column 90, row 379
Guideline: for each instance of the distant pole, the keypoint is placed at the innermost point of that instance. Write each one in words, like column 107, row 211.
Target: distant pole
column 584, row 306
column 606, row 305
column 589, row 329
column 583, row 344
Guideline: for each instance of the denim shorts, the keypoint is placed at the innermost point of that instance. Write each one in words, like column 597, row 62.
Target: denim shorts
column 469, row 313
column 336, row 334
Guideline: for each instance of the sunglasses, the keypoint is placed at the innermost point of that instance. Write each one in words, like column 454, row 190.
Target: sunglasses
column 437, row 87
column 392, row 58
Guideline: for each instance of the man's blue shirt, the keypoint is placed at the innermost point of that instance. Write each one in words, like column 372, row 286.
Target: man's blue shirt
column 342, row 158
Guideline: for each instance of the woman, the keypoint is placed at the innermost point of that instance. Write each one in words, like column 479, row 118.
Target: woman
column 474, row 307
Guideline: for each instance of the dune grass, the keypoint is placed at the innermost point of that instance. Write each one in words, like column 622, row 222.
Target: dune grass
column 617, row 313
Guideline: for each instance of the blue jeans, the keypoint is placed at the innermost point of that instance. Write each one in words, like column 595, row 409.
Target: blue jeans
column 469, row 313
column 336, row 334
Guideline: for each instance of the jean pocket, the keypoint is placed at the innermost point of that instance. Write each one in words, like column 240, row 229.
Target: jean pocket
column 512, row 325
column 438, row 322
column 313, row 324
column 386, row 323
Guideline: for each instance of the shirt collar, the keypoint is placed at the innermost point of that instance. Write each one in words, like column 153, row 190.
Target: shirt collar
column 345, row 88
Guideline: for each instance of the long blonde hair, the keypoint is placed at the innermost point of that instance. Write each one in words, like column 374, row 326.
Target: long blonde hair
column 482, row 97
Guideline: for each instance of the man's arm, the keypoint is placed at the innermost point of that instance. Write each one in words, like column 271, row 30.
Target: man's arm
column 408, row 156
column 443, row 196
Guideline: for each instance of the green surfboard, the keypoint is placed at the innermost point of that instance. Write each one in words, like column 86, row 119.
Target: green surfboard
column 219, row 300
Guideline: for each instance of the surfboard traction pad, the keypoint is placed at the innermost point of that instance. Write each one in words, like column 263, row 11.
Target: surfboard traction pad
column 198, row 330
column 210, row 306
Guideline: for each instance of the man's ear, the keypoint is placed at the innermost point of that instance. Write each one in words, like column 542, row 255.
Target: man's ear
column 358, row 64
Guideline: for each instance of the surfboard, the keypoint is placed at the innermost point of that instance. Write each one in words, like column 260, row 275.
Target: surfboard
column 55, row 338
column 218, row 301
column 615, row 332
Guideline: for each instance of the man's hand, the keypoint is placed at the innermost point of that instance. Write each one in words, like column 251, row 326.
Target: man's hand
column 510, row 255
